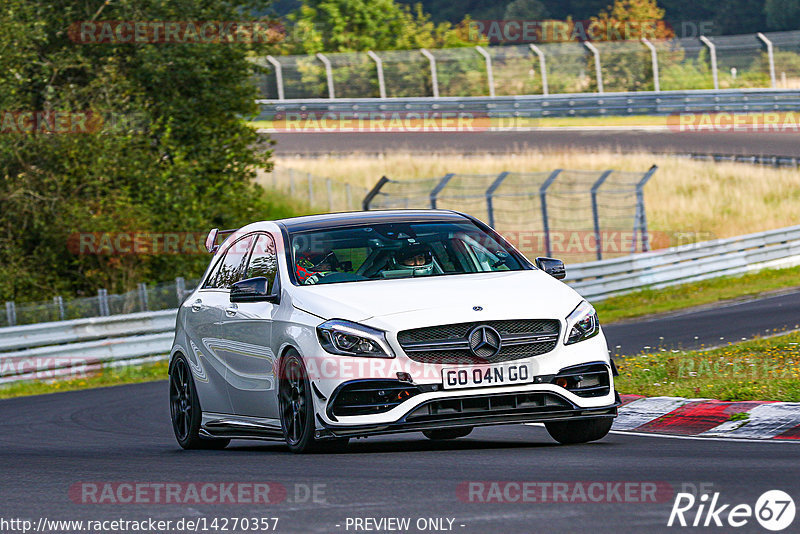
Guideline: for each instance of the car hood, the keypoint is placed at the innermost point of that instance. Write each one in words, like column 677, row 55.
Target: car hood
column 406, row 303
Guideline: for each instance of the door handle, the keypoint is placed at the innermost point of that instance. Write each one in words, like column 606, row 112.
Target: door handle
column 231, row 310
column 197, row 305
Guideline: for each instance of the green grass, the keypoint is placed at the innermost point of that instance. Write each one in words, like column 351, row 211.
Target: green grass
column 670, row 299
column 763, row 369
column 107, row 377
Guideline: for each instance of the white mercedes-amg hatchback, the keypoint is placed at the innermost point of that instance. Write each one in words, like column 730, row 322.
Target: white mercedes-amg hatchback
column 317, row 329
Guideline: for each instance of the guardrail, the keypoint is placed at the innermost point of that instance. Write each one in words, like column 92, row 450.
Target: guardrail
column 768, row 161
column 58, row 349
column 688, row 263
column 75, row 348
column 59, row 332
column 534, row 106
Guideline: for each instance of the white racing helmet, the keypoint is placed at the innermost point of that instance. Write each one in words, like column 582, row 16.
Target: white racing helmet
column 417, row 259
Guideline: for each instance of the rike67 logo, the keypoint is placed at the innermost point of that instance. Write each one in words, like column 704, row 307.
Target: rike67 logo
column 774, row 510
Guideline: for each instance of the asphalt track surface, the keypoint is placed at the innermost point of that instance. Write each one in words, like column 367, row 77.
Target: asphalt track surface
column 50, row 443
column 123, row 434
column 708, row 327
column 632, row 140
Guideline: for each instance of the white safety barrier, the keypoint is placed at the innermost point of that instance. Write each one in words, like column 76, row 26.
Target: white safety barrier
column 689, row 263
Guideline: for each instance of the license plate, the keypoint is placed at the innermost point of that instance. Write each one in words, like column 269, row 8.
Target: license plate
column 477, row 376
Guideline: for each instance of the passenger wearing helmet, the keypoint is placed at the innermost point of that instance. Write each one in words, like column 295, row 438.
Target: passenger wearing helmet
column 416, row 259
column 312, row 266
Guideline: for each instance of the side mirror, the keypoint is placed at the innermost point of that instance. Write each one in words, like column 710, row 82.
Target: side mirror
column 252, row 290
column 553, row 267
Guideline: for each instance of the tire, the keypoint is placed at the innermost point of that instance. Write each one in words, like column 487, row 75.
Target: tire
column 582, row 431
column 184, row 408
column 297, row 409
column 447, row 433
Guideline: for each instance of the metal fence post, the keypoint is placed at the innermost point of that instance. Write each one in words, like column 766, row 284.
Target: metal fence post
column 310, row 181
column 11, row 313
column 102, row 302
column 543, row 199
column 642, row 219
column 59, row 303
column 330, row 194
column 654, row 57
column 374, row 192
column 328, row 74
column 489, row 72
column 348, row 196
column 542, row 68
column 379, row 67
column 278, row 76
column 595, row 215
column 771, row 57
column 291, row 182
column 598, row 70
column 713, row 51
column 143, row 304
column 434, row 75
column 180, row 289
column 490, row 194
column 438, row 189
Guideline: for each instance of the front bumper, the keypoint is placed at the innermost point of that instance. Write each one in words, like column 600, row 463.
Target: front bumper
column 477, row 410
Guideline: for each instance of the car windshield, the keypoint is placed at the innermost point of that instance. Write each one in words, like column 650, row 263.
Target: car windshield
column 397, row 250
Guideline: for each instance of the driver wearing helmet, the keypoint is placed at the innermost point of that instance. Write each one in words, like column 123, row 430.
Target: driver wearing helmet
column 312, row 266
column 416, row 259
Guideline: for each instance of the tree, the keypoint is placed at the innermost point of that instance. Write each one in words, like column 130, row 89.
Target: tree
column 646, row 16
column 783, row 14
column 526, row 10
column 360, row 25
column 172, row 153
column 332, row 26
column 740, row 16
column 628, row 68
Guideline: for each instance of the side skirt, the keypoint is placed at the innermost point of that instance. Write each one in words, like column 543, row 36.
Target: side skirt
column 217, row 425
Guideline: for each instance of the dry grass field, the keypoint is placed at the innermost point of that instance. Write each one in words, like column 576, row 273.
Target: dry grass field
column 703, row 198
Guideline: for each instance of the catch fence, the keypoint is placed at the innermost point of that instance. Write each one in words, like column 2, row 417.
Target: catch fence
column 763, row 60
column 576, row 215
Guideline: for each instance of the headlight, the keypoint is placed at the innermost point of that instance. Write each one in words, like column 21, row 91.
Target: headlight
column 352, row 339
column 582, row 324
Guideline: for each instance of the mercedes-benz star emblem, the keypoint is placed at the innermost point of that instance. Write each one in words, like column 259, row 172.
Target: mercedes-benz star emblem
column 484, row 342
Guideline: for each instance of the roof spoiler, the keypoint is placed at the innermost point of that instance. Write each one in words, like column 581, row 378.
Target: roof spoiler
column 211, row 240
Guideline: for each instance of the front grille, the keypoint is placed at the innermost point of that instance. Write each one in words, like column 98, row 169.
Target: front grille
column 449, row 344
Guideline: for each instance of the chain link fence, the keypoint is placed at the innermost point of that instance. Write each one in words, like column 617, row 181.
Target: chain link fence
column 576, row 215
column 164, row 296
column 764, row 60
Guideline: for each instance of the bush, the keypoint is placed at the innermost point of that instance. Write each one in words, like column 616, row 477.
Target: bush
column 182, row 160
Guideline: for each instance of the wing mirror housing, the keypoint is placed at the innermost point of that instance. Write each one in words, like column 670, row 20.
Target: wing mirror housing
column 253, row 290
column 553, row 267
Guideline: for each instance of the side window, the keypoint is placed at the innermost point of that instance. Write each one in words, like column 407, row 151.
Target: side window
column 213, row 275
column 264, row 261
column 231, row 266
